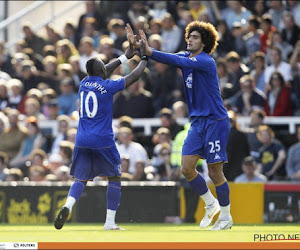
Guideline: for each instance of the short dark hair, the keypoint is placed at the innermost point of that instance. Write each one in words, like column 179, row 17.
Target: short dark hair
column 208, row 33
column 93, row 66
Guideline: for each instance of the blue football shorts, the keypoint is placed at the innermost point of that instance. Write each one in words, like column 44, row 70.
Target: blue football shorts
column 208, row 139
column 91, row 162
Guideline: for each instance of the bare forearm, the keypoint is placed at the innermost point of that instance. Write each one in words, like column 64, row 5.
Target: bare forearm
column 110, row 67
column 135, row 74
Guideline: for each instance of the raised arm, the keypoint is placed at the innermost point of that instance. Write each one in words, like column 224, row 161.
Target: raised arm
column 175, row 59
column 129, row 53
column 137, row 72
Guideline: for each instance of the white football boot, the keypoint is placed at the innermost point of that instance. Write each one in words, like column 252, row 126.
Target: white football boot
column 210, row 213
column 222, row 224
column 112, row 227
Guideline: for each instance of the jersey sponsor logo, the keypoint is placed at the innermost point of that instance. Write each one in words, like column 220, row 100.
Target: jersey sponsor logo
column 217, row 157
column 189, row 81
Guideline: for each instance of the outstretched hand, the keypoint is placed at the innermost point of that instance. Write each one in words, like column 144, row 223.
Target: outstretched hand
column 131, row 37
column 148, row 50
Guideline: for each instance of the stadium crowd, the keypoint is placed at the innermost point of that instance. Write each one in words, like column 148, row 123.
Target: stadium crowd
column 258, row 64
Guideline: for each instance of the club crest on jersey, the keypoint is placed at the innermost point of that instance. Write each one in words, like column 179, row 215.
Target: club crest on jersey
column 189, row 81
column 193, row 59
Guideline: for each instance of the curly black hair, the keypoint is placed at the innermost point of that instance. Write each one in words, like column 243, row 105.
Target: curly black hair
column 208, row 33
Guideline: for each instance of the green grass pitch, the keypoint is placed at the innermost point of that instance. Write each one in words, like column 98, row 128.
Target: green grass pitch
column 139, row 232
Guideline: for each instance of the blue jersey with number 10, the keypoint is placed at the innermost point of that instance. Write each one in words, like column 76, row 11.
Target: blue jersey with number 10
column 96, row 111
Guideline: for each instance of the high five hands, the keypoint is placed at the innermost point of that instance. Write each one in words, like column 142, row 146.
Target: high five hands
column 132, row 38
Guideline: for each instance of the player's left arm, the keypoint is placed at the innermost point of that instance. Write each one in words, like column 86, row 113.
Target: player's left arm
column 129, row 53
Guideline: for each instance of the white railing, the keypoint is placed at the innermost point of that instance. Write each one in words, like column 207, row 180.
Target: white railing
column 148, row 123
column 16, row 19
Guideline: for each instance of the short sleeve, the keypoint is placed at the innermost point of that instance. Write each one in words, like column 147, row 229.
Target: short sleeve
column 116, row 85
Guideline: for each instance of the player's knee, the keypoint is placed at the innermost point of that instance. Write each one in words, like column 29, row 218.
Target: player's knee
column 187, row 172
column 216, row 176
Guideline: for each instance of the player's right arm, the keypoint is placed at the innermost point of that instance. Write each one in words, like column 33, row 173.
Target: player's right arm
column 201, row 62
column 137, row 72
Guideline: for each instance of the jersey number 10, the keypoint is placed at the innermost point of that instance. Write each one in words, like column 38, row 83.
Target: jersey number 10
column 84, row 104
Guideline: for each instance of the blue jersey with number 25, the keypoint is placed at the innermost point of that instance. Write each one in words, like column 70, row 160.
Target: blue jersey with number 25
column 96, row 111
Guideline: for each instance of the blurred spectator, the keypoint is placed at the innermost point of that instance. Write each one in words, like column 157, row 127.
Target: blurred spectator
column 66, row 149
column 71, row 135
column 198, row 8
column 167, row 120
column 38, row 157
column 161, row 136
column 65, row 49
column 250, row 172
column 134, row 150
column 16, row 63
column 34, row 140
column 235, row 155
column 290, row 32
column 238, row 41
column 278, row 65
column 107, row 47
column 236, row 13
column 260, row 8
column 3, row 165
column 171, row 34
column 63, row 126
column 162, row 82
column 294, row 8
column 258, row 73
column 249, row 98
column 278, row 97
column 32, row 39
column 125, row 121
column 49, row 76
column 293, row 160
column 158, row 9
column 295, row 64
column 90, row 30
column 252, row 38
column 256, row 120
column 54, row 162
column 67, row 99
column 117, row 31
column 223, row 74
column 135, row 102
column 5, row 60
column 48, row 96
column 268, row 29
column 16, row 99
column 70, row 33
column 125, row 163
column 53, row 110
column 226, row 38
column 272, row 154
column 51, row 177
column 11, row 139
column 36, row 173
column 35, row 58
column 4, row 101
column 166, row 171
column 77, row 74
column 14, row 174
column 49, row 50
column 285, row 47
column 236, row 70
column 180, row 109
column 276, row 11
column 32, row 108
column 139, row 171
column 91, row 11
column 63, row 173
column 137, row 9
column 87, row 48
column 3, row 122
column 155, row 27
column 29, row 75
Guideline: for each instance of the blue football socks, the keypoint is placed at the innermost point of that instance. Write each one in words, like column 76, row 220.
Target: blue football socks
column 223, row 194
column 199, row 184
column 77, row 189
column 113, row 195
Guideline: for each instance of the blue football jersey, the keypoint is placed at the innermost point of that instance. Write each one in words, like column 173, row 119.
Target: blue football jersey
column 201, row 83
column 96, row 111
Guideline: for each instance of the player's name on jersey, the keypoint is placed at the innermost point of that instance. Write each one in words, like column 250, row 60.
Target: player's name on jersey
column 97, row 86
